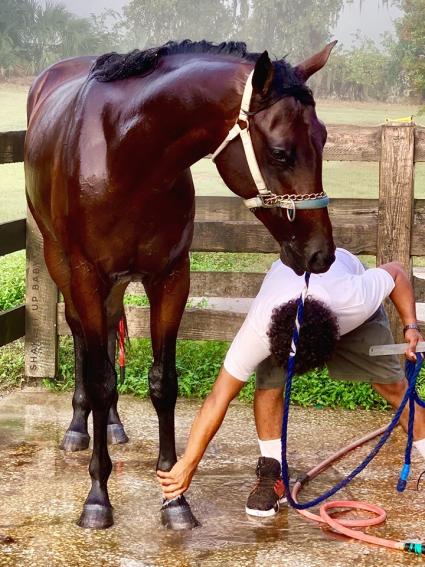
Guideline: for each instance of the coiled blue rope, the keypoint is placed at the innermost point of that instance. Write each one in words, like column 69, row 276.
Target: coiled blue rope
column 411, row 396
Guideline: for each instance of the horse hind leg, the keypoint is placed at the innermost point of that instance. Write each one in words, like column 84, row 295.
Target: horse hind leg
column 116, row 432
column 167, row 299
column 77, row 437
column 90, row 295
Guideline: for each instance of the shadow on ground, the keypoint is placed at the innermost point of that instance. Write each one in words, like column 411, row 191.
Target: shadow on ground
column 43, row 489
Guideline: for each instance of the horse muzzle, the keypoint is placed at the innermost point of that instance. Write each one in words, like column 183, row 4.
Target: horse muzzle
column 317, row 263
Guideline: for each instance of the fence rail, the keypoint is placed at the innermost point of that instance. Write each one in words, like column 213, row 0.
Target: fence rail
column 391, row 227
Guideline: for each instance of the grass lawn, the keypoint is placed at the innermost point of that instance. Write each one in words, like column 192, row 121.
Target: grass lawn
column 198, row 362
column 13, row 101
column 365, row 113
column 341, row 179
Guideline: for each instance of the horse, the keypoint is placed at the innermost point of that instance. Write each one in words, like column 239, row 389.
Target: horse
column 108, row 150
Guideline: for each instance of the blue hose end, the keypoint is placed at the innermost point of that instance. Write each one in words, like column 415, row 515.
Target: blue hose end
column 401, row 485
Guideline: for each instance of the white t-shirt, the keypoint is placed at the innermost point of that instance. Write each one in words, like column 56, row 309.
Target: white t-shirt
column 352, row 293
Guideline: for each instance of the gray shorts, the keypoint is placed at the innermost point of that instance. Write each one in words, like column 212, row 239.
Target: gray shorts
column 350, row 360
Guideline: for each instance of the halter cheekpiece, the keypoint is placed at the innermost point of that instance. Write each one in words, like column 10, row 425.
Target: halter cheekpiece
column 265, row 198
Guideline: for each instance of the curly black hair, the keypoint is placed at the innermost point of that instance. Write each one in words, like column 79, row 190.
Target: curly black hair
column 318, row 334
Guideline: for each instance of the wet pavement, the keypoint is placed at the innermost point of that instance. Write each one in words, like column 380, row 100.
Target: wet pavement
column 43, row 489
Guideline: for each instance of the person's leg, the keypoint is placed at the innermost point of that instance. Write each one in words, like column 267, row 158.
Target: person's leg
column 268, row 492
column 394, row 393
column 268, row 407
column 351, row 361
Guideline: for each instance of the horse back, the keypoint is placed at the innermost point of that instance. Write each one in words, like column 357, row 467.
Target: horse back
column 54, row 76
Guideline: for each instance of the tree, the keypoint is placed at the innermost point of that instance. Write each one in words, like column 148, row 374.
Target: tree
column 295, row 27
column 410, row 50
column 153, row 22
column 34, row 34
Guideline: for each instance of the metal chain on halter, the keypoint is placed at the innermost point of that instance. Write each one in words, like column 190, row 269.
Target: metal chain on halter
column 410, row 397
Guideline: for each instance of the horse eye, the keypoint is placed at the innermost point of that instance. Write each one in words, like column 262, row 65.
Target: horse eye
column 281, row 156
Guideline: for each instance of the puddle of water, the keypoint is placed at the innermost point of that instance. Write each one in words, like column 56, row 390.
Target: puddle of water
column 43, row 490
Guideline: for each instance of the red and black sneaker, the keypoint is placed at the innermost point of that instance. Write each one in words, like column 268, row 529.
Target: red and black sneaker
column 268, row 492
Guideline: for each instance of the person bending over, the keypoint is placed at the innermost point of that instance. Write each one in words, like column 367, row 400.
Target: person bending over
column 343, row 317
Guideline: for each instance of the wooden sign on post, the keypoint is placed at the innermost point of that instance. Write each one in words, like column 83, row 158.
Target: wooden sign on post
column 41, row 340
column 396, row 202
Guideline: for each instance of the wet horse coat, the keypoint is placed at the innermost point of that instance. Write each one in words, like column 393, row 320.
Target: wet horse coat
column 107, row 157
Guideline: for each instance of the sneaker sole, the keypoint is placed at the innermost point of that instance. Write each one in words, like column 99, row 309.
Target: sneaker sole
column 265, row 513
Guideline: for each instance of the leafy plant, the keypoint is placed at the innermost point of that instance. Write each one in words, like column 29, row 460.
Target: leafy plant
column 12, row 280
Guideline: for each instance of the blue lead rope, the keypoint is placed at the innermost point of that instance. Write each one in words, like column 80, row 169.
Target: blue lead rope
column 411, row 396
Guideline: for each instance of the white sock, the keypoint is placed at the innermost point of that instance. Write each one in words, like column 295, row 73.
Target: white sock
column 271, row 449
column 420, row 446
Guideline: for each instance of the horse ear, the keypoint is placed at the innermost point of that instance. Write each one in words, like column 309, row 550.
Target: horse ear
column 263, row 74
column 314, row 63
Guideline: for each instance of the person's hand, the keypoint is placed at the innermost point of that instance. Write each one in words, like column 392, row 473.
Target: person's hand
column 412, row 337
column 177, row 480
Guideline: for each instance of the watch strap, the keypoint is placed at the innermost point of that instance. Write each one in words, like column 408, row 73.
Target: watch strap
column 410, row 326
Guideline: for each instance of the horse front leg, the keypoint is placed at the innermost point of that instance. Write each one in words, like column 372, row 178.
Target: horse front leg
column 167, row 297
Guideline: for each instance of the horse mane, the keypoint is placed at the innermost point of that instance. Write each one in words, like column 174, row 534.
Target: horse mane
column 115, row 66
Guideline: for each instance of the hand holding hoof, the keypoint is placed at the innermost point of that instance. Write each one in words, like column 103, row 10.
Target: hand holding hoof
column 177, row 515
column 96, row 517
column 116, row 434
column 75, row 441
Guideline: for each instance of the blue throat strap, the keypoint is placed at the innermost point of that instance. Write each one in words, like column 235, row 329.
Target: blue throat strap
column 312, row 204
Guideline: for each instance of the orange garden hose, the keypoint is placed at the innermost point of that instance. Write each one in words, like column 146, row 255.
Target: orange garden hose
column 345, row 526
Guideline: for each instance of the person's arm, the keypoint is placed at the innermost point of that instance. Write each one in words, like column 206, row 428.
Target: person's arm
column 205, row 426
column 403, row 297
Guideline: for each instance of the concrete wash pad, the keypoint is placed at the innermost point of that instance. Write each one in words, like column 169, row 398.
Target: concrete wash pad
column 43, row 489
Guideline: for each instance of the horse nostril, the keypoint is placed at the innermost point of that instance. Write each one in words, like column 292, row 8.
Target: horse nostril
column 320, row 261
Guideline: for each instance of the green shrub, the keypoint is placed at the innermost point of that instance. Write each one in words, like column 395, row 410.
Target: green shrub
column 11, row 365
column 12, row 280
column 198, row 363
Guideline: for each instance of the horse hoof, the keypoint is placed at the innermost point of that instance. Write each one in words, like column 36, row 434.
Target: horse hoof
column 177, row 515
column 75, row 441
column 96, row 517
column 116, row 434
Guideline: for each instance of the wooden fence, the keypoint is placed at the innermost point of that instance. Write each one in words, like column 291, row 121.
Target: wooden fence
column 391, row 227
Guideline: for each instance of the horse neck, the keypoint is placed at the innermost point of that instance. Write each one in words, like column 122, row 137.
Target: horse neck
column 201, row 102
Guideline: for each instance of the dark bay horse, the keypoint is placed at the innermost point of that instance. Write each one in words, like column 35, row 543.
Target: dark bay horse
column 107, row 155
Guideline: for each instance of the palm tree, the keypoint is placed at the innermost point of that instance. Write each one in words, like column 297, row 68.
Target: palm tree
column 33, row 35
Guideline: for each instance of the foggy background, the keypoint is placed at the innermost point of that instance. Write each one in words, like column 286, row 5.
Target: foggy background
column 380, row 55
column 372, row 17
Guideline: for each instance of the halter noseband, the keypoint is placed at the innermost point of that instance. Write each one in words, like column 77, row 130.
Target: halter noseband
column 265, row 198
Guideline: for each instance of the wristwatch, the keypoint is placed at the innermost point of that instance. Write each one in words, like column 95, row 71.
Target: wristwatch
column 410, row 326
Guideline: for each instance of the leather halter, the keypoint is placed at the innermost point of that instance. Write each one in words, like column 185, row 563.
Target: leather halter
column 265, row 198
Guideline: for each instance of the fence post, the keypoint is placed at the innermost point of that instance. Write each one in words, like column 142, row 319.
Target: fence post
column 396, row 204
column 41, row 342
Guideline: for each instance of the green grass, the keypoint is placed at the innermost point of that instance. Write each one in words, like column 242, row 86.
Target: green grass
column 197, row 361
column 365, row 113
column 13, row 100
column 12, row 280
column 341, row 179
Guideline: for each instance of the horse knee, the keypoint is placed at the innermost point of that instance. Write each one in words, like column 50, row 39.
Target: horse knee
column 162, row 387
column 101, row 384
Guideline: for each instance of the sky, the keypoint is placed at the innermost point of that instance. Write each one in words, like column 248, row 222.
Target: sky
column 372, row 19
